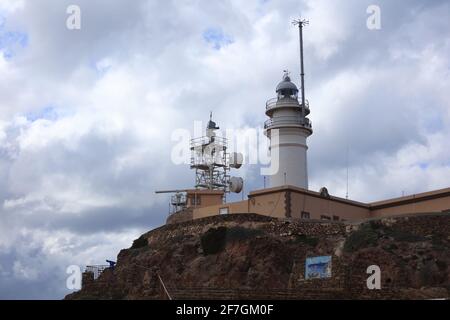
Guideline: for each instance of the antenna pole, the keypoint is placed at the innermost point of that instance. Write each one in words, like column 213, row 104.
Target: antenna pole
column 300, row 24
column 346, row 194
column 302, row 69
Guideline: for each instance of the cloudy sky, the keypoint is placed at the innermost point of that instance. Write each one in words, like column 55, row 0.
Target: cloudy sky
column 87, row 116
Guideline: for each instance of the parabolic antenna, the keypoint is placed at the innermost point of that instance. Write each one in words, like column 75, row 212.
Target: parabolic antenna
column 236, row 184
column 236, row 160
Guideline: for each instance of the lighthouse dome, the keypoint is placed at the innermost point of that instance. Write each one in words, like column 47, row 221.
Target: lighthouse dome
column 286, row 86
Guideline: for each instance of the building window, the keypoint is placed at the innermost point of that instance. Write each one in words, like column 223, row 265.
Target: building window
column 223, row 210
column 305, row 215
column 323, row 217
column 195, row 200
column 335, row 218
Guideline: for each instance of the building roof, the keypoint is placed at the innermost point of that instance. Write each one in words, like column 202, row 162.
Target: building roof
column 410, row 198
column 308, row 192
column 371, row 206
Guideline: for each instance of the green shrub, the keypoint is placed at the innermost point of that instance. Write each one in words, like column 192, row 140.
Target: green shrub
column 364, row 237
column 442, row 265
column 376, row 224
column 213, row 241
column 302, row 238
column 139, row 243
column 403, row 236
column 240, row 234
column 438, row 243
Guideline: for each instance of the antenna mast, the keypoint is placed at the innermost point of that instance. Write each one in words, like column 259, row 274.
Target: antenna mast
column 300, row 23
column 346, row 194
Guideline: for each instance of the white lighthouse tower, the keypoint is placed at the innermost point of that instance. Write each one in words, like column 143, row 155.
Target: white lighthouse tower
column 288, row 128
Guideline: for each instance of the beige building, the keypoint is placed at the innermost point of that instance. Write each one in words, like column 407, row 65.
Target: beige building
column 296, row 203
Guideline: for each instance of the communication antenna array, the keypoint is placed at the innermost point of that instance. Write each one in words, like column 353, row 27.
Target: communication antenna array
column 212, row 162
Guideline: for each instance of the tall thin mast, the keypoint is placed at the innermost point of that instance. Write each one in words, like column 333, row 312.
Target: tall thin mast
column 300, row 24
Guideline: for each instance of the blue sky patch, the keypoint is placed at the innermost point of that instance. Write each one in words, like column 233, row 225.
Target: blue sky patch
column 10, row 41
column 217, row 38
column 47, row 113
column 423, row 165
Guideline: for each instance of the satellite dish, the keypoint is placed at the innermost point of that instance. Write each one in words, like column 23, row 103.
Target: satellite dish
column 236, row 184
column 236, row 160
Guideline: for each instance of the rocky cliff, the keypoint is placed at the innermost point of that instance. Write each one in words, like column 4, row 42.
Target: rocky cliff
column 254, row 257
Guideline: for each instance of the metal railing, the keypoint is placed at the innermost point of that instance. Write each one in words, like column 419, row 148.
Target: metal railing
column 96, row 269
column 178, row 199
column 204, row 141
column 286, row 121
column 275, row 102
column 164, row 287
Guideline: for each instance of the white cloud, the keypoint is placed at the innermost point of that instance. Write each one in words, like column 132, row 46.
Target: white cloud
column 24, row 272
column 10, row 6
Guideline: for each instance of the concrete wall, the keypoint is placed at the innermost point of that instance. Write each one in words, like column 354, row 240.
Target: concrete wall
column 205, row 199
column 317, row 207
column 239, row 207
column 233, row 207
column 291, row 202
column 270, row 204
column 431, row 205
column 199, row 213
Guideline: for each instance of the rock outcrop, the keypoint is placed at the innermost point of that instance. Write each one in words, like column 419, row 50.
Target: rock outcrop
column 246, row 256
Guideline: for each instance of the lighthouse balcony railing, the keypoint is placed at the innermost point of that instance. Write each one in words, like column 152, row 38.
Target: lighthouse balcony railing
column 287, row 121
column 283, row 101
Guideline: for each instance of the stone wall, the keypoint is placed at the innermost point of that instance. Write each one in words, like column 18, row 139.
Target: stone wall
column 182, row 216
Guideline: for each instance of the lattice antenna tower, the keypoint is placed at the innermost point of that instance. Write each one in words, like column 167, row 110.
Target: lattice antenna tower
column 212, row 162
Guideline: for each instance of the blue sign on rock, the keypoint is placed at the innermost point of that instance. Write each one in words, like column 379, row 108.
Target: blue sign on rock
column 318, row 267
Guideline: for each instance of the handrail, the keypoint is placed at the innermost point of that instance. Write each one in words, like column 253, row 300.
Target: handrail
column 99, row 268
column 164, row 287
column 96, row 270
column 204, row 140
column 305, row 122
column 178, row 200
column 272, row 103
